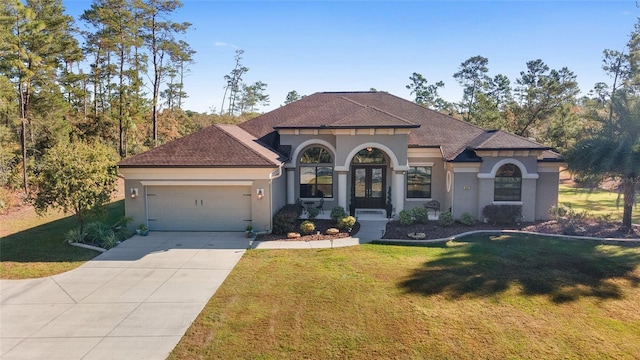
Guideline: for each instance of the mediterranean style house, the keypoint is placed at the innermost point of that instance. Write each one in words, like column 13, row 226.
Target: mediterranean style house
column 336, row 149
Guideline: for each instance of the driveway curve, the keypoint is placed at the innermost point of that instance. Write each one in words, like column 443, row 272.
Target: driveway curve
column 134, row 301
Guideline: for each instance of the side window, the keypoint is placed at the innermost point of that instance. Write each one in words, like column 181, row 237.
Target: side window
column 419, row 182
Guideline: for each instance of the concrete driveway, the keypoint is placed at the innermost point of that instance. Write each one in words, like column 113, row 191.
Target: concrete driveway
column 133, row 302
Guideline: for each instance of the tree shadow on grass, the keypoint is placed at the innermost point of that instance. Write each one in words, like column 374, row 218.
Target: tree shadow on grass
column 482, row 266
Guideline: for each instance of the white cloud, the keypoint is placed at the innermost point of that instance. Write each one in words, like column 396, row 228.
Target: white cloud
column 223, row 44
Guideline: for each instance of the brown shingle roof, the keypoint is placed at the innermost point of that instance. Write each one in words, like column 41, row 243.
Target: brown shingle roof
column 381, row 109
column 215, row 146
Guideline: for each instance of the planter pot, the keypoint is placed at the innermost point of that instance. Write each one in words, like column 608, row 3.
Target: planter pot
column 142, row 232
column 249, row 234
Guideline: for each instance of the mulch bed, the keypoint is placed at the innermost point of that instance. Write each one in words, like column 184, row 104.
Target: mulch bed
column 434, row 231
column 321, row 225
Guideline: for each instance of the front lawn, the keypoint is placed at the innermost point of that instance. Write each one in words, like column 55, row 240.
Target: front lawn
column 525, row 297
column 35, row 246
column 596, row 201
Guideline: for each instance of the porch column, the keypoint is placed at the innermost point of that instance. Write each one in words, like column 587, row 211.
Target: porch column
column 291, row 186
column 342, row 189
column 397, row 191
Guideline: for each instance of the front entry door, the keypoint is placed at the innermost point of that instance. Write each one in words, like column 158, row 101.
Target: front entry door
column 369, row 186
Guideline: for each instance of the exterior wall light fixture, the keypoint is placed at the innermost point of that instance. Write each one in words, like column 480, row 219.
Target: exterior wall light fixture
column 260, row 193
column 134, row 193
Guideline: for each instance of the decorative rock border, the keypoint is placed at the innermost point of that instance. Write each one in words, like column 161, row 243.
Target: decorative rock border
column 417, row 235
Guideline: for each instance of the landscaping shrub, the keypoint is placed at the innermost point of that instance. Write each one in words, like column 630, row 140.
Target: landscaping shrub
column 109, row 241
column 75, row 236
column 307, row 227
column 406, row 218
column 568, row 218
column 346, row 223
column 313, row 212
column 502, row 214
column 97, row 232
column 445, row 219
column 338, row 213
column 284, row 220
column 420, row 214
column 467, row 219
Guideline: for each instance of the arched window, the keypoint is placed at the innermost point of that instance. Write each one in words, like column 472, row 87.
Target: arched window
column 369, row 155
column 508, row 183
column 316, row 173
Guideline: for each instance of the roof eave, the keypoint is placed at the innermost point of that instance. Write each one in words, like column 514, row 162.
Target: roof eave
column 147, row 166
column 350, row 127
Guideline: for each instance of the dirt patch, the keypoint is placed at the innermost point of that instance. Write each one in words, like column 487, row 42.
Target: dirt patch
column 321, row 226
column 586, row 228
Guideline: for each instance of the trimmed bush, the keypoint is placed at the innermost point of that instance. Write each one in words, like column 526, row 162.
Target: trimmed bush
column 338, row 213
column 502, row 214
column 406, row 218
column 313, row 212
column 347, row 223
column 284, row 220
column 445, row 219
column 307, row 227
column 467, row 219
column 421, row 214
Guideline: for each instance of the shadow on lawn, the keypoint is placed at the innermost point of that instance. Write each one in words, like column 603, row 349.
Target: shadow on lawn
column 488, row 265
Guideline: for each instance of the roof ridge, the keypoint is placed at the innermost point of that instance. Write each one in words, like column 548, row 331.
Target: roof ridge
column 375, row 108
column 225, row 129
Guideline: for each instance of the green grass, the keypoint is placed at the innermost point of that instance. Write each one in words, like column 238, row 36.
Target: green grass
column 524, row 297
column 35, row 246
column 597, row 202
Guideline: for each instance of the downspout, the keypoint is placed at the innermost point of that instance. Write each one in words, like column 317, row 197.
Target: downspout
column 271, row 177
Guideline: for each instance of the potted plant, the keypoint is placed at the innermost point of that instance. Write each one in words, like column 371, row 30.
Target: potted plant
column 142, row 230
column 249, row 231
column 389, row 205
column 352, row 204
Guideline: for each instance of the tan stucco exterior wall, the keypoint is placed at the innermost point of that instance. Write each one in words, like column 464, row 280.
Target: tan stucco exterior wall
column 260, row 178
column 539, row 187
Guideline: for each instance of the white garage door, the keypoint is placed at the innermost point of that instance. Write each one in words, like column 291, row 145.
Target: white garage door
column 199, row 208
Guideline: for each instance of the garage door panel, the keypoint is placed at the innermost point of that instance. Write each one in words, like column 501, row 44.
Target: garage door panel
column 199, row 208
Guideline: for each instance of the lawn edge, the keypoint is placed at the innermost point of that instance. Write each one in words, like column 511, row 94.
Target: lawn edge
column 476, row 232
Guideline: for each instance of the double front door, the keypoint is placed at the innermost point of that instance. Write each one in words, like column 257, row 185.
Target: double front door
column 368, row 186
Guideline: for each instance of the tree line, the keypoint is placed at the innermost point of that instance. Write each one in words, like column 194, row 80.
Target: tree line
column 115, row 78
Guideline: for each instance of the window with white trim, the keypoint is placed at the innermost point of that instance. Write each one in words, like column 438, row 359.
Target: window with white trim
column 316, row 173
column 419, row 182
column 508, row 183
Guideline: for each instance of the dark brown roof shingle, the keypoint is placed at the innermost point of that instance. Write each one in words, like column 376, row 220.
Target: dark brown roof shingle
column 215, row 146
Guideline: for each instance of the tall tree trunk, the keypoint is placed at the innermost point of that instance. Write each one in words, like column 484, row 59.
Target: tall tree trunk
column 629, row 191
column 121, row 105
column 23, row 138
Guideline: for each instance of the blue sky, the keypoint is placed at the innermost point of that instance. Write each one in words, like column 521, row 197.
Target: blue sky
column 312, row 46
